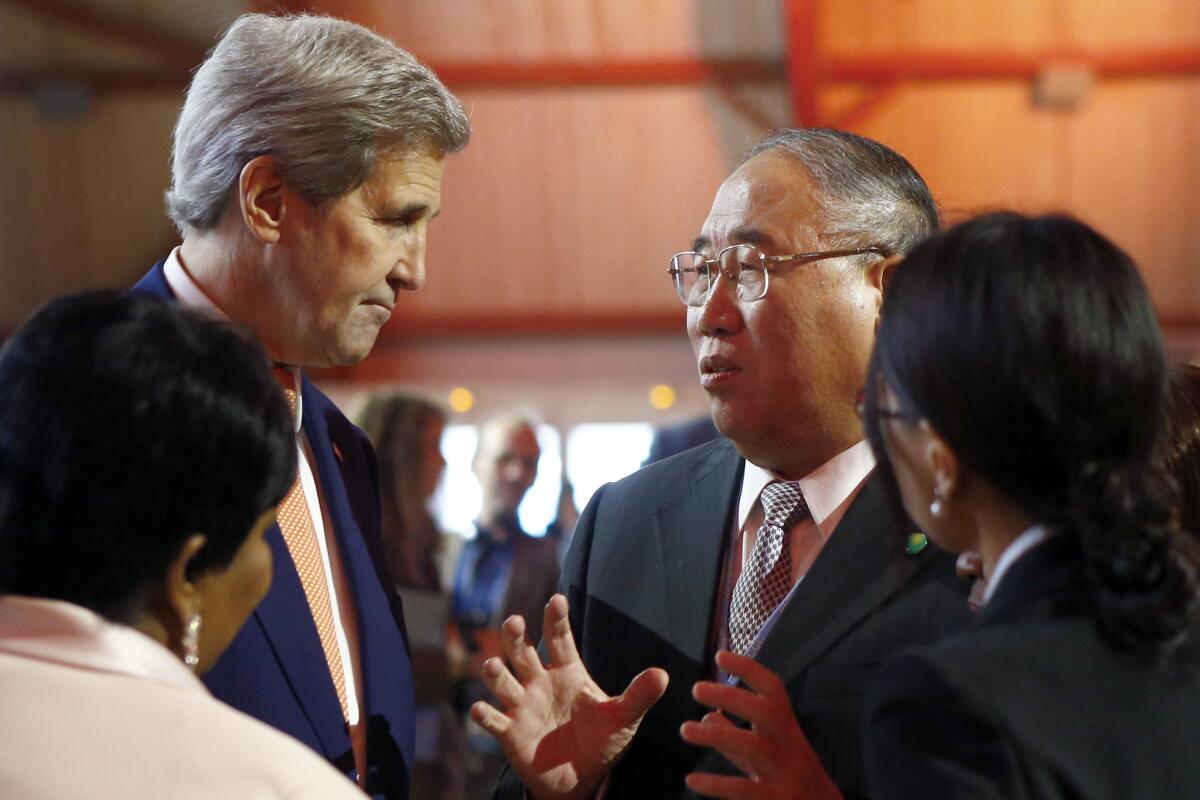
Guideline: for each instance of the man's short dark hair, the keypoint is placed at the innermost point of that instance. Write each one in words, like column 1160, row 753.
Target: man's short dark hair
column 126, row 425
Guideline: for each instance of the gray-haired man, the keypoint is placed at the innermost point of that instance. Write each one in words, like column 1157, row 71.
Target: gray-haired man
column 775, row 542
column 307, row 166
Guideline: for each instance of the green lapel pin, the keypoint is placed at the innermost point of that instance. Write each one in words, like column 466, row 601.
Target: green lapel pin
column 915, row 543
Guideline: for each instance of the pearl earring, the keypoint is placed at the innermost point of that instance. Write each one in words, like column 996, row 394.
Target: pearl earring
column 191, row 641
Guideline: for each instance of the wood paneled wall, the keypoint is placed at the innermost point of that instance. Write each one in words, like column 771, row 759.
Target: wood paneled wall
column 561, row 214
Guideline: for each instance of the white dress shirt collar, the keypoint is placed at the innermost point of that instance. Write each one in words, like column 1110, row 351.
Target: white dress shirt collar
column 826, row 489
column 190, row 295
column 1028, row 540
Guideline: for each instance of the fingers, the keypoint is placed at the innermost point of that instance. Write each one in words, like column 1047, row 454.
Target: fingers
column 729, row 787
column 490, row 719
column 717, row 718
column 733, row 700
column 754, row 674
column 556, row 633
column 736, row 744
column 643, row 692
column 517, row 649
column 716, row 730
column 501, row 682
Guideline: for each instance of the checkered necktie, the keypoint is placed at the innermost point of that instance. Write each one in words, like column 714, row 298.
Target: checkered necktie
column 767, row 575
column 295, row 522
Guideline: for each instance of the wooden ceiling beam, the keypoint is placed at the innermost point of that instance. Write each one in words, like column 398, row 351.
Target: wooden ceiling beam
column 167, row 45
column 634, row 72
column 22, row 81
column 917, row 66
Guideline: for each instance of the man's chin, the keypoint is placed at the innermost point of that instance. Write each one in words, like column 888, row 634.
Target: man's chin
column 349, row 353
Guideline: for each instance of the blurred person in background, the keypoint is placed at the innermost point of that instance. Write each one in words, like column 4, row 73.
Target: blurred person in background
column 502, row 570
column 562, row 527
column 671, row 439
column 1014, row 402
column 306, row 167
column 406, row 432
column 142, row 453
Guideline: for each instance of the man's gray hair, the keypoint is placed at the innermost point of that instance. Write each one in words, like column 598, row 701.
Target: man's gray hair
column 870, row 194
column 324, row 96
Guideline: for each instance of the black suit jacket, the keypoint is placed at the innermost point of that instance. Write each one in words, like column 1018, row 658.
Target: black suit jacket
column 1034, row 702
column 642, row 579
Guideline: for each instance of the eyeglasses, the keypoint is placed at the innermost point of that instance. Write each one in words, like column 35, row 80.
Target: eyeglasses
column 745, row 265
column 860, row 408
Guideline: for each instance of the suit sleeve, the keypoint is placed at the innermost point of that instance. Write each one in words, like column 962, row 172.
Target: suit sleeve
column 927, row 736
column 572, row 583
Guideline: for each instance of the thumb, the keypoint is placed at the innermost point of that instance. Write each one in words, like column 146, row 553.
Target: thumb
column 643, row 692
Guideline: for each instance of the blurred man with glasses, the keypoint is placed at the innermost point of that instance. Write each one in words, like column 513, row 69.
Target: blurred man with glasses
column 778, row 544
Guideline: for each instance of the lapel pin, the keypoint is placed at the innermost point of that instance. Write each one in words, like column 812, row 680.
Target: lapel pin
column 337, row 452
column 915, row 543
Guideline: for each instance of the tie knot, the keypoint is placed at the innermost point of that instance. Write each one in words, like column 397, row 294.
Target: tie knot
column 288, row 381
column 782, row 503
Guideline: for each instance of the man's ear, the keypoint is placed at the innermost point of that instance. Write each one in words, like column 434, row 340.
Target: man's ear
column 878, row 275
column 880, row 272
column 262, row 198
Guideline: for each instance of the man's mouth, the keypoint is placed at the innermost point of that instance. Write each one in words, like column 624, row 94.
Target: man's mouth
column 716, row 370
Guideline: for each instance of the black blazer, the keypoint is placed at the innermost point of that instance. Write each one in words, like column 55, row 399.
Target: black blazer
column 642, row 578
column 1034, row 702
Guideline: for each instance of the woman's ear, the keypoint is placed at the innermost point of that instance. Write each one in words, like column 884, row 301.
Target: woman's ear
column 943, row 463
column 262, row 198
column 180, row 592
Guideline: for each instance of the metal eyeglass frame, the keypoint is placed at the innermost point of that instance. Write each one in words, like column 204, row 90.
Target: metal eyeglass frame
column 765, row 260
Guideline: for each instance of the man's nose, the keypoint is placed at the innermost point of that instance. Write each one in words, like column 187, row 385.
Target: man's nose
column 721, row 312
column 408, row 274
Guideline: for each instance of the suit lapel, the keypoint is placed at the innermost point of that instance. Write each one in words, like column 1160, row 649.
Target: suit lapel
column 326, row 464
column 692, row 531
column 862, row 563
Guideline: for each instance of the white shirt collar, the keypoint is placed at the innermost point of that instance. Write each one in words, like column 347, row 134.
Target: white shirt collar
column 190, row 295
column 1028, row 540
column 826, row 489
column 187, row 291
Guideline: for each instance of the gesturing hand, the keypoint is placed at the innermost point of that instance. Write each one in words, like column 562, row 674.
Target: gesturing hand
column 774, row 753
column 560, row 732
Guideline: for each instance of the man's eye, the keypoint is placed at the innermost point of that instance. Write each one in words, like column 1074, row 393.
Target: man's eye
column 406, row 221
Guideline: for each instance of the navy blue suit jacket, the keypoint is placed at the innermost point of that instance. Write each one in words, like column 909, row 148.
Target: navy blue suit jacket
column 275, row 669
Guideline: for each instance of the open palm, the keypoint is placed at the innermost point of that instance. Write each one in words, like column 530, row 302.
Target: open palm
column 561, row 733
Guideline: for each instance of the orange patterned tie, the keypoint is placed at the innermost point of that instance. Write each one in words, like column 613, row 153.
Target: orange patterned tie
column 295, row 521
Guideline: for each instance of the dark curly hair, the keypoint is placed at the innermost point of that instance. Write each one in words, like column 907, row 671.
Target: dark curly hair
column 126, row 425
column 1031, row 346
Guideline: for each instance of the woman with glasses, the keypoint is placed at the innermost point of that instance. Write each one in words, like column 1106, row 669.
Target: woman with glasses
column 1014, row 398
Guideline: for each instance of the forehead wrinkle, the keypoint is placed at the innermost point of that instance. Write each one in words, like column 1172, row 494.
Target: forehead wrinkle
column 739, row 235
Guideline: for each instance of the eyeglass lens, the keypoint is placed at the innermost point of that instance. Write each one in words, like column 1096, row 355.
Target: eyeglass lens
column 694, row 273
